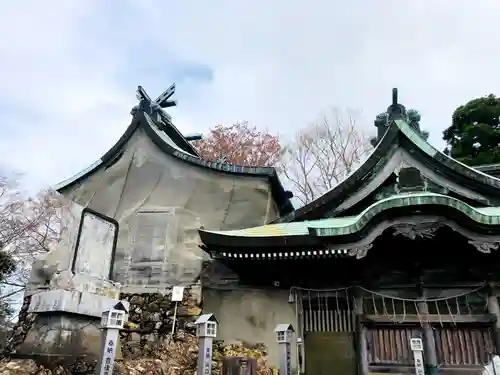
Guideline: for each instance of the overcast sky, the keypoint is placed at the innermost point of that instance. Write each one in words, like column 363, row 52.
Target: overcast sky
column 69, row 69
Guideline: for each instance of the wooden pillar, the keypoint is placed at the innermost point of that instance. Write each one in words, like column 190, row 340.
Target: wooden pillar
column 429, row 341
column 300, row 332
column 494, row 309
column 361, row 343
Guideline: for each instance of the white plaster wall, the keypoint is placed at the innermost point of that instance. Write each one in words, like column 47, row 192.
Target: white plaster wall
column 250, row 316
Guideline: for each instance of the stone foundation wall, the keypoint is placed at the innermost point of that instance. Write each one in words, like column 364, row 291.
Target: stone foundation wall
column 152, row 316
column 147, row 345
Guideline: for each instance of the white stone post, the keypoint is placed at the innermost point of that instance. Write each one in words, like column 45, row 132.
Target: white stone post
column 206, row 330
column 417, row 348
column 492, row 368
column 284, row 333
column 111, row 322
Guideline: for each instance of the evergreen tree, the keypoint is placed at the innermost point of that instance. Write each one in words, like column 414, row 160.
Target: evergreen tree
column 474, row 135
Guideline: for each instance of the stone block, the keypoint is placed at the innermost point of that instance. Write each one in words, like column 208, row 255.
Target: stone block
column 62, row 339
column 75, row 302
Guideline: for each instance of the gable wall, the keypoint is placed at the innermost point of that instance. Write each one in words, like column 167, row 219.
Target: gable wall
column 398, row 159
column 160, row 203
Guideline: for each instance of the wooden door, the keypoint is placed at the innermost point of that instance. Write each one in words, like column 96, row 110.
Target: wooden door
column 330, row 353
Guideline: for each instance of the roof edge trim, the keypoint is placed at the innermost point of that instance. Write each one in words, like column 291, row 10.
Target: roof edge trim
column 354, row 179
column 394, row 128
column 441, row 157
column 279, row 194
column 143, row 120
column 411, row 199
column 105, row 159
column 348, row 225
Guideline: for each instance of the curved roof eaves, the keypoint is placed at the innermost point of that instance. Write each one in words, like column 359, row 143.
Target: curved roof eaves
column 338, row 193
column 145, row 122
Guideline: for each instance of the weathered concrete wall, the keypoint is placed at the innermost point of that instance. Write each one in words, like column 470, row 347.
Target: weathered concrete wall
column 160, row 203
column 66, row 338
column 250, row 316
column 62, row 326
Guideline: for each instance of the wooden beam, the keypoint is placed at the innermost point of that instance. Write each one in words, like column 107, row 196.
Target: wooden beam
column 431, row 318
column 429, row 340
column 409, row 286
column 361, row 341
column 494, row 310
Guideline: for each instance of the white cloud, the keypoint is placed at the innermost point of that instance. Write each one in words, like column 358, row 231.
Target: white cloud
column 69, row 69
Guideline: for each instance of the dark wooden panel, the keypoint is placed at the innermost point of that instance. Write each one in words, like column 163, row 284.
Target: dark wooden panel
column 330, row 353
column 390, row 345
column 463, row 345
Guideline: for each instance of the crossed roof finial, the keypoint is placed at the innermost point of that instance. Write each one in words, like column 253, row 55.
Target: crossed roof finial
column 154, row 108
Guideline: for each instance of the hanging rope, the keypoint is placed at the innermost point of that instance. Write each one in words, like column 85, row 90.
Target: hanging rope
column 420, row 299
column 404, row 311
column 439, row 314
column 336, row 290
column 337, row 300
column 338, row 313
column 327, row 313
column 468, row 306
column 320, row 290
column 451, row 312
column 375, row 311
column 384, row 308
column 418, row 314
column 338, row 317
column 393, row 309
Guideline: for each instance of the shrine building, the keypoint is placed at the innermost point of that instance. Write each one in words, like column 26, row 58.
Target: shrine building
column 406, row 246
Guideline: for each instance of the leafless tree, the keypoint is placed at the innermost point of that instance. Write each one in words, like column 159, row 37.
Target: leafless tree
column 322, row 154
column 28, row 227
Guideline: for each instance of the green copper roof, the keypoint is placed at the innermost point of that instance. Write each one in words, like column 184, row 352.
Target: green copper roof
column 399, row 133
column 454, row 164
column 351, row 224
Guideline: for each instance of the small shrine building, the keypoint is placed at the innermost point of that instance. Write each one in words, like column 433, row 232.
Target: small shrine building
column 406, row 246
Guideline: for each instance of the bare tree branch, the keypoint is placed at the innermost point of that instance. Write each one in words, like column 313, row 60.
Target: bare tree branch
column 28, row 228
column 6, row 296
column 322, row 154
